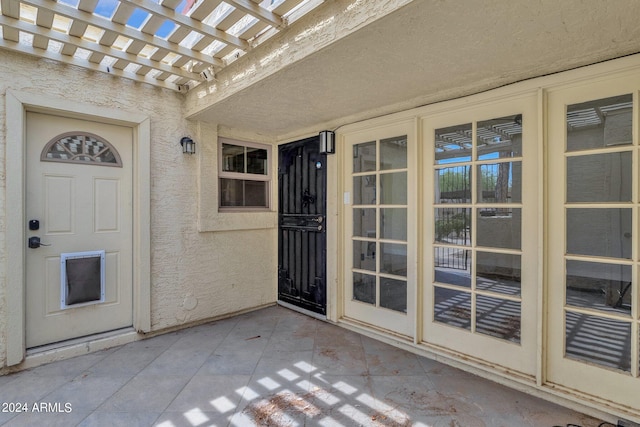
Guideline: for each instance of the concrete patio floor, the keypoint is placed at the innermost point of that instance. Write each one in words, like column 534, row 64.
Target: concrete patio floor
column 271, row 367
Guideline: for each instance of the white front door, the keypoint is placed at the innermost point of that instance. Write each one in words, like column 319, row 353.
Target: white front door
column 79, row 203
column 594, row 206
column 380, row 217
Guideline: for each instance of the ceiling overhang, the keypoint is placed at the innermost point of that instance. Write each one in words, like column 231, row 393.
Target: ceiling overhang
column 285, row 67
column 423, row 52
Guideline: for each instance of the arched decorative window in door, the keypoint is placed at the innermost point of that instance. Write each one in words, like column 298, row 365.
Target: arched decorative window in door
column 81, row 147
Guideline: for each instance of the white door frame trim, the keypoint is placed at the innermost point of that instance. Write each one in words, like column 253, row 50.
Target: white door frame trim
column 17, row 105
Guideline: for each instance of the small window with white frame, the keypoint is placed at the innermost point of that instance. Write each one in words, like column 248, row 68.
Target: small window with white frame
column 244, row 174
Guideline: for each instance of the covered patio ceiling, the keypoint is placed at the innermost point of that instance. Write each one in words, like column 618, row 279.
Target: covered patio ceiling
column 288, row 67
column 421, row 53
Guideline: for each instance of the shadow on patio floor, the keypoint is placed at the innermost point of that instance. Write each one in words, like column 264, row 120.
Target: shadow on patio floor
column 271, row 367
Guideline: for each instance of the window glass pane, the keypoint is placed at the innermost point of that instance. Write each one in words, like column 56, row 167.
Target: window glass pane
column 394, row 259
column 453, row 225
column 453, row 266
column 453, row 144
column 498, row 273
column 364, row 222
column 232, row 158
column 599, row 286
column 601, row 123
column 500, row 138
column 499, row 228
column 453, row 185
column 393, row 294
column 498, row 317
column 364, row 288
column 364, row 157
column 500, row 182
column 393, row 223
column 364, row 255
column 257, row 161
column 255, row 193
column 393, row 188
column 599, row 178
column 231, row 192
column 393, row 153
column 238, row 192
column 598, row 340
column 599, row 232
column 364, row 190
column 452, row 307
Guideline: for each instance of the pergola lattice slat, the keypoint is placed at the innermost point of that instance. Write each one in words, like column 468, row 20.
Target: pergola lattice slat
column 258, row 12
column 143, row 40
column 99, row 51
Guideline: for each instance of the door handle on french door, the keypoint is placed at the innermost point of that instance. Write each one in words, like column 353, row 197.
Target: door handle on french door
column 35, row 243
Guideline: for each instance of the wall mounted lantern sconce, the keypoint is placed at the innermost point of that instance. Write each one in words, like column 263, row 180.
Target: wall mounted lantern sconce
column 327, row 142
column 188, row 146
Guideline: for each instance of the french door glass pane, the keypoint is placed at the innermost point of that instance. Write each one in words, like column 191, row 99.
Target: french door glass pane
column 393, row 223
column 364, row 222
column 499, row 273
column 364, row 255
column 364, row 157
column 453, row 144
column 453, row 225
column 393, row 294
column 600, row 286
column 498, row 317
column 500, row 138
column 500, row 182
column 452, row 307
column 499, row 228
column 393, row 188
column 364, row 288
column 599, row 178
column 599, row 232
column 453, row 266
column 453, row 185
column 393, row 153
column 394, row 259
column 598, row 340
column 364, row 190
column 601, row 123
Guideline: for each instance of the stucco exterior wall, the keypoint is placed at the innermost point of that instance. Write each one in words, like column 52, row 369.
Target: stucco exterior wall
column 194, row 275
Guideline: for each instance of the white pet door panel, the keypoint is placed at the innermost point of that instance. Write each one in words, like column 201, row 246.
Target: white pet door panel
column 82, row 279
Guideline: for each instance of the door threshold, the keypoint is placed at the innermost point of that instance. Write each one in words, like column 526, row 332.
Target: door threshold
column 40, row 355
column 302, row 310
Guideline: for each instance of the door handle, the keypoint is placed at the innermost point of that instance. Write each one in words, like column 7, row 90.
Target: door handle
column 35, row 243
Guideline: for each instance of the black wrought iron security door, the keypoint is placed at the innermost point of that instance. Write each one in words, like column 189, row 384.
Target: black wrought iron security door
column 302, row 225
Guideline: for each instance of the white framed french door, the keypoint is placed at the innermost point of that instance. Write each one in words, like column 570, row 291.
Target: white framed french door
column 380, row 219
column 481, row 228
column 593, row 324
